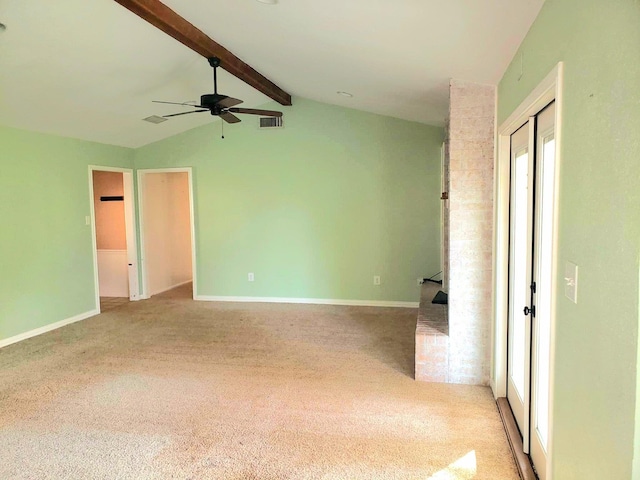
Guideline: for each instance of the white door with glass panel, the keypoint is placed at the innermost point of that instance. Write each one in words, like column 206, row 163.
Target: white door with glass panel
column 531, row 236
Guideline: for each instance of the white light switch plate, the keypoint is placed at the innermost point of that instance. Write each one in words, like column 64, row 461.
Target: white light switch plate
column 571, row 281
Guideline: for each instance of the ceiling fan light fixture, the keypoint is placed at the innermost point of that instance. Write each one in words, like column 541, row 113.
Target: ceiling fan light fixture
column 345, row 94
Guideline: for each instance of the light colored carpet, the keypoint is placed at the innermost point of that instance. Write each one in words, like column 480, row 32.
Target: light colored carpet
column 109, row 303
column 171, row 388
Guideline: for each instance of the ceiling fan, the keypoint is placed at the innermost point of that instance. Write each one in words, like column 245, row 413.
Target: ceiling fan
column 220, row 105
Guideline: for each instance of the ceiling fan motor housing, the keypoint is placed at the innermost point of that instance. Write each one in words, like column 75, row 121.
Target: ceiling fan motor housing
column 211, row 100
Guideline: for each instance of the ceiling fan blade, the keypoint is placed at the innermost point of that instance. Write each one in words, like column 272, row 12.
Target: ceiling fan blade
column 184, row 113
column 229, row 102
column 175, row 103
column 253, row 111
column 229, row 117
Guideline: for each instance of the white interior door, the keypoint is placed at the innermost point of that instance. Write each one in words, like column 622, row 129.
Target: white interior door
column 543, row 274
column 520, row 246
column 531, row 281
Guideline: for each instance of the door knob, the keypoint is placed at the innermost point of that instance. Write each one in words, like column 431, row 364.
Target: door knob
column 531, row 310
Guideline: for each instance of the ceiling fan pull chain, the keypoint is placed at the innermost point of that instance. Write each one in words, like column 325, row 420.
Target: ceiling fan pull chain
column 222, row 128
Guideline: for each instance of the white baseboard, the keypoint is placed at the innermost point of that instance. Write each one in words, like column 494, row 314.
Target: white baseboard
column 47, row 328
column 169, row 288
column 312, row 301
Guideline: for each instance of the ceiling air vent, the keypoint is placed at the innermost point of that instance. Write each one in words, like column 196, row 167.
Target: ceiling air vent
column 271, row 122
column 154, row 119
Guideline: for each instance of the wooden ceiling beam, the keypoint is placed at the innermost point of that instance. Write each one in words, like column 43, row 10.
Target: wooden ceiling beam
column 165, row 19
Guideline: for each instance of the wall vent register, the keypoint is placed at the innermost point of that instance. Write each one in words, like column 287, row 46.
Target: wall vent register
column 271, row 122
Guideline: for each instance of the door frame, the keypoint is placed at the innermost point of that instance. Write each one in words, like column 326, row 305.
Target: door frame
column 140, row 174
column 444, row 204
column 130, row 231
column 549, row 90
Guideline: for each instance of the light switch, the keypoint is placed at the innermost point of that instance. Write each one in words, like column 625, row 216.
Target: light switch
column 87, row 220
column 571, row 281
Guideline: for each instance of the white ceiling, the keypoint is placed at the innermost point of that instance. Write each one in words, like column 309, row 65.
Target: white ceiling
column 89, row 69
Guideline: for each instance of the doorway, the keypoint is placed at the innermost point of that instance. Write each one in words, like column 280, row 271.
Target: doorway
column 165, row 199
column 530, row 276
column 114, row 238
column 526, row 271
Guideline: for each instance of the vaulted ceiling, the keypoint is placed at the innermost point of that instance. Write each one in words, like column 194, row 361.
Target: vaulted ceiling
column 90, row 69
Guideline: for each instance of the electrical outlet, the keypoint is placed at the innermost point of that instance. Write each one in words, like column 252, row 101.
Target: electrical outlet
column 571, row 281
column 250, row 277
column 87, row 220
column 376, row 280
column 419, row 282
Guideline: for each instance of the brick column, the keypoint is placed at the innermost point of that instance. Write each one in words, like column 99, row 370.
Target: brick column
column 470, row 220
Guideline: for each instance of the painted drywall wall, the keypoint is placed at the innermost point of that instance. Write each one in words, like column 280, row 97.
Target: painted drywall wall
column 113, row 273
column 167, row 230
column 179, row 209
column 599, row 215
column 46, row 261
column 109, row 216
column 315, row 209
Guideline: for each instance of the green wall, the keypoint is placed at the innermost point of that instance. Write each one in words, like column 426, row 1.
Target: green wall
column 316, row 209
column 46, row 263
column 596, row 339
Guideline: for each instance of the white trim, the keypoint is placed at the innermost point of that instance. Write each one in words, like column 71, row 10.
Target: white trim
column 312, row 301
column 173, row 286
column 545, row 93
column 47, row 328
column 94, row 242
column 556, row 227
column 131, row 235
column 143, row 269
column 144, row 294
column 443, row 206
column 110, row 169
column 550, row 89
column 493, row 381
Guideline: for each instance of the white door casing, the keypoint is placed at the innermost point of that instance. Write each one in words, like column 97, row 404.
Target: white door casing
column 543, row 274
column 130, row 231
column 521, row 228
column 141, row 194
column 549, row 90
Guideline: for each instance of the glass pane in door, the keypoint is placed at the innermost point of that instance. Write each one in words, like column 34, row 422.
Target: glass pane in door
column 543, row 295
column 520, row 241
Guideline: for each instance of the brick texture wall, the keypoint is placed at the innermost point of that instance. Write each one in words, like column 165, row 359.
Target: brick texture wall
column 469, row 218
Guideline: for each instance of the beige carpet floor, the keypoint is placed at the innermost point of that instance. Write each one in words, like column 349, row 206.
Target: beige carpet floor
column 171, row 388
column 109, row 303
